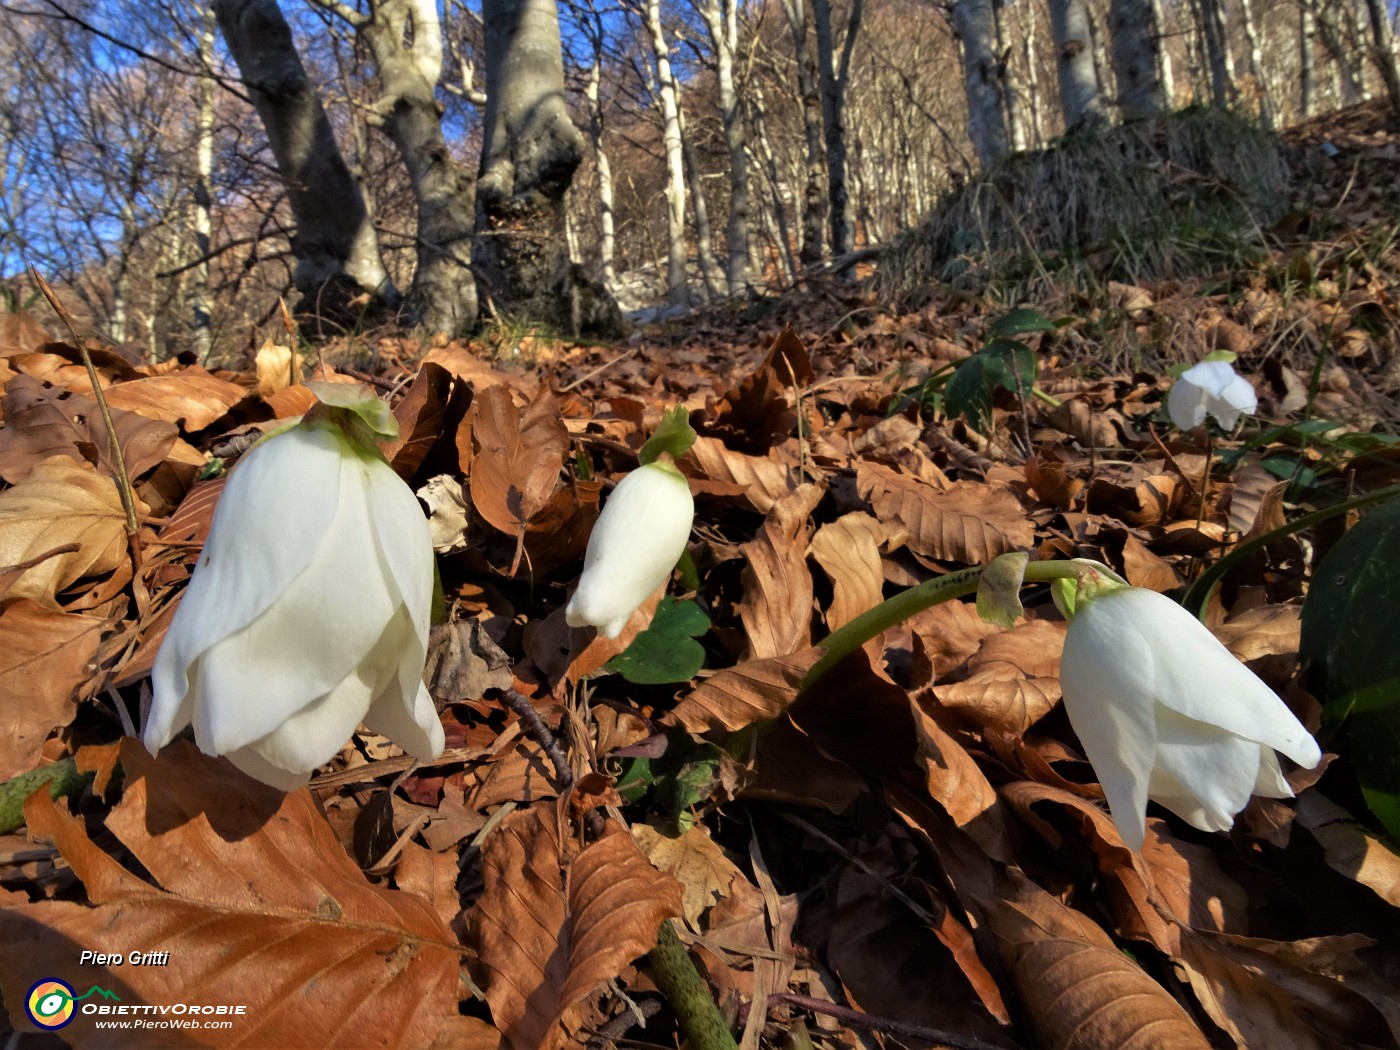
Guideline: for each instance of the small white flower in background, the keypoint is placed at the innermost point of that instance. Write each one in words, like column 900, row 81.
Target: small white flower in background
column 1165, row 712
column 638, row 539
column 1210, row 388
column 308, row 610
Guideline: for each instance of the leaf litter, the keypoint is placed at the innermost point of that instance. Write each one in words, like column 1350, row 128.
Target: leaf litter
column 913, row 852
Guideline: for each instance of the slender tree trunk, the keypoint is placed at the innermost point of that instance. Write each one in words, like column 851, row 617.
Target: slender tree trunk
column 722, row 20
column 334, row 240
column 1257, row 69
column 1164, row 55
column 1383, row 45
column 1010, row 93
column 774, row 218
column 834, row 75
column 1137, row 43
column 813, row 241
column 1028, row 57
column 1211, row 14
column 607, row 237
column 677, row 290
column 200, row 299
column 1074, row 59
column 704, row 243
column 1307, row 60
column 986, row 123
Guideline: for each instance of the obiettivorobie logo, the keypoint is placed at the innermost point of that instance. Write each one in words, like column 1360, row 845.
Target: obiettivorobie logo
column 50, row 1002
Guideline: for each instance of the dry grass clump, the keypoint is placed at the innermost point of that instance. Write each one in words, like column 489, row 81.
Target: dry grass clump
column 1178, row 195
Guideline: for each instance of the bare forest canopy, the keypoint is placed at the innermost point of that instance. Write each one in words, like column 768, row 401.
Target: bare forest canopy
column 177, row 168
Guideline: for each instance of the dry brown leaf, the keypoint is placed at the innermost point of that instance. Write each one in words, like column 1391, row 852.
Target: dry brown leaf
column 693, row 860
column 518, row 458
column 957, row 783
column 762, row 480
column 45, row 658
column 257, row 904
column 1348, row 847
column 848, row 550
column 968, row 522
column 42, row 422
column 553, row 923
column 61, row 502
column 777, row 605
column 277, row 368
column 190, row 397
column 1012, row 681
column 753, row 691
column 1079, row 991
column 945, row 637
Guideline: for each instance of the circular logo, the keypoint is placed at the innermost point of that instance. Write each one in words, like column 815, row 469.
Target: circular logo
column 50, row 1003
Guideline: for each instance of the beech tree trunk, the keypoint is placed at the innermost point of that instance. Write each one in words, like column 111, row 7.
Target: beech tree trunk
column 200, row 301
column 606, row 222
column 1137, row 60
column 1074, row 60
column 986, row 123
column 834, row 75
column 1307, row 60
column 406, row 39
column 677, row 282
column 1383, row 46
column 1211, row 15
column 813, row 224
column 1256, row 65
column 335, row 242
column 529, row 153
column 722, row 20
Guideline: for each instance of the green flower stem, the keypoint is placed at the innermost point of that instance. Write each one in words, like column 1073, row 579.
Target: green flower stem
column 1197, row 596
column 62, row 778
column 841, row 642
column 700, row 1020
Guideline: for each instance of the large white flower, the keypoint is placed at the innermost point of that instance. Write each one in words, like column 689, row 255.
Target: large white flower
column 1165, row 712
column 1210, row 388
column 638, row 538
column 307, row 613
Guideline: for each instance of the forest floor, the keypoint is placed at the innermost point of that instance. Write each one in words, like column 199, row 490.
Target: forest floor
column 912, row 853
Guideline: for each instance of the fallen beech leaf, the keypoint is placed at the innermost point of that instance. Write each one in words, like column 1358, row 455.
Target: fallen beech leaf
column 777, row 606
column 968, row 522
column 848, row 550
column 41, row 422
column 518, row 459
column 1012, row 681
column 257, row 904
column 61, row 501
column 1349, row 847
column 695, row 861
column 553, row 923
column 190, row 397
column 761, row 480
column 753, row 691
column 45, row 657
column 1079, row 991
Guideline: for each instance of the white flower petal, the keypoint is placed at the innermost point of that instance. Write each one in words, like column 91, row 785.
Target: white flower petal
column 1109, row 700
column 404, row 540
column 1196, row 761
column 638, row 538
column 249, row 761
column 1210, row 388
column 311, row 736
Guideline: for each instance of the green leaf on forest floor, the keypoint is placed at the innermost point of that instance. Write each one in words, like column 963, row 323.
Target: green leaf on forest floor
column 666, row 652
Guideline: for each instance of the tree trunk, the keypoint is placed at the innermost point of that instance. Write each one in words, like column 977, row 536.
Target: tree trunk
column 774, row 218
column 1211, row 14
column 529, row 153
column 704, row 243
column 1028, row 56
column 1137, row 46
column 834, row 78
column 606, row 230
column 200, row 299
column 722, row 20
column 677, row 290
column 986, row 125
column 1010, row 94
column 813, row 243
column 1074, row 59
column 1256, row 65
column 335, row 243
column 1307, row 60
column 443, row 297
column 1383, row 44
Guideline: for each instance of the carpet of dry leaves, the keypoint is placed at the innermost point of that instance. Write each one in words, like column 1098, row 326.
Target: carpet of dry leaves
column 914, row 853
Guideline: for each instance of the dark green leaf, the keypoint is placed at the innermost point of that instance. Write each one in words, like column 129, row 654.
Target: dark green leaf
column 666, row 651
column 1019, row 321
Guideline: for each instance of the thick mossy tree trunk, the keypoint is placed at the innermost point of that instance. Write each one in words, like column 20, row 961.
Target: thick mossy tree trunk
column 336, row 249
column 530, row 151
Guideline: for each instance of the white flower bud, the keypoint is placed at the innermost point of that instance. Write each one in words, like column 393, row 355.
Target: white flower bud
column 1210, row 388
column 1166, row 713
column 307, row 614
column 639, row 537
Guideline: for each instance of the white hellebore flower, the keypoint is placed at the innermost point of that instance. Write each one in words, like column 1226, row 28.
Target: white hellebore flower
column 638, row 538
column 1210, row 388
column 307, row 613
column 1165, row 712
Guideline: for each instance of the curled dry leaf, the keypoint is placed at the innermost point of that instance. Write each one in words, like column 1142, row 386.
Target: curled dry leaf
column 257, row 904
column 1079, row 991
column 848, row 550
column 190, row 397
column 695, row 861
column 554, row 922
column 61, row 502
column 777, row 606
column 46, row 658
column 1012, row 681
column 753, row 691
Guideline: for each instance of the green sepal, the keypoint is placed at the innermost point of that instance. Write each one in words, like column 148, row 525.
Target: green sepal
column 359, row 401
column 999, row 589
column 674, row 436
